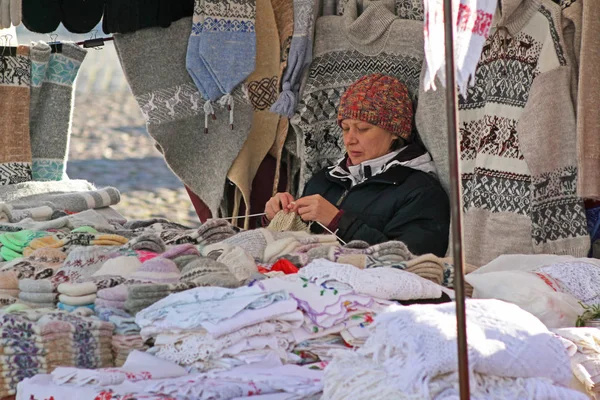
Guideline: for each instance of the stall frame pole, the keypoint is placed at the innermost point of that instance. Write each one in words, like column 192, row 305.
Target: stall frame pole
column 456, row 203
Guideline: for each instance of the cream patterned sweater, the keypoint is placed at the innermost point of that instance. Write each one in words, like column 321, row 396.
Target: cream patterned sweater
column 518, row 141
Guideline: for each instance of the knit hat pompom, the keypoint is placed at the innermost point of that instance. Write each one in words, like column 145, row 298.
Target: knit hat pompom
column 380, row 100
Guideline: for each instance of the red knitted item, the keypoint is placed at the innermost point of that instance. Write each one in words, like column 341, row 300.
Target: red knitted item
column 380, row 100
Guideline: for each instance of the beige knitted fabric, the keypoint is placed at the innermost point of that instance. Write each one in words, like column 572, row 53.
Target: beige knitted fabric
column 283, row 222
column 262, row 90
column 15, row 145
column 588, row 122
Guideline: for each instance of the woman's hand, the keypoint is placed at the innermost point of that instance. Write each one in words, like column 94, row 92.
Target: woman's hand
column 315, row 208
column 281, row 201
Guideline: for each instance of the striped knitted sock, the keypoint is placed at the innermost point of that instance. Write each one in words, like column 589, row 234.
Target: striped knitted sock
column 51, row 130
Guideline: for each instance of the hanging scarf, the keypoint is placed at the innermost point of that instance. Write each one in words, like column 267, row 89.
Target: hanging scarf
column 472, row 20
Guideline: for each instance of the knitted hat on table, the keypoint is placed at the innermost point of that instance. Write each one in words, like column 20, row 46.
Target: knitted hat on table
column 157, row 270
column 380, row 100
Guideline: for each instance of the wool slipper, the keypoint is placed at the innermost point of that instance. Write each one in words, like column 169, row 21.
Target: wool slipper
column 77, row 289
column 77, row 300
column 33, row 297
column 37, row 286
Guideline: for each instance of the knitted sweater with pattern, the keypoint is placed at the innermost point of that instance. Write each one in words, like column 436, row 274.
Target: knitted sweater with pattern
column 518, row 145
column 346, row 48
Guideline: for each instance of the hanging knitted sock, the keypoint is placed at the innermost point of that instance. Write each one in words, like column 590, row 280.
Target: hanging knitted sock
column 196, row 67
column 81, row 16
column 4, row 14
column 15, row 146
column 41, row 16
column 51, row 130
column 15, row 12
column 40, row 56
column 228, row 43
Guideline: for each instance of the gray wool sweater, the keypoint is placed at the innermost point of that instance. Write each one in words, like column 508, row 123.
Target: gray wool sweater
column 346, row 48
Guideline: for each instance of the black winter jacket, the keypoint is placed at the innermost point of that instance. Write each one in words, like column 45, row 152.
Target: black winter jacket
column 401, row 204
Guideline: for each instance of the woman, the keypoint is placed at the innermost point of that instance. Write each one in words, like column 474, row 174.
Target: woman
column 385, row 187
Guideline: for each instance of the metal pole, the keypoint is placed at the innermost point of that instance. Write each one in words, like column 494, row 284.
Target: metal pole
column 456, row 202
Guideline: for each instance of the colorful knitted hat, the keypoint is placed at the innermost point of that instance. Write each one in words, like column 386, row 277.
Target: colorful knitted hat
column 380, row 100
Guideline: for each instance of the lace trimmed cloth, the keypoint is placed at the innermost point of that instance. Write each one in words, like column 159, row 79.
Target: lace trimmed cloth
column 412, row 354
column 383, row 283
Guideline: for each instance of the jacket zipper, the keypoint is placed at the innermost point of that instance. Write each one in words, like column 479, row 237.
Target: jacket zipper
column 342, row 197
column 347, row 191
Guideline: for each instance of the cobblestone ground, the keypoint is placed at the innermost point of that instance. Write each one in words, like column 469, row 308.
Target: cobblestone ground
column 109, row 143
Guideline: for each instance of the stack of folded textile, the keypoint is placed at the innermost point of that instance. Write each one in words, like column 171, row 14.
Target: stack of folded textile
column 14, row 243
column 145, row 377
column 335, row 304
column 75, row 295
column 37, row 293
column 126, row 336
column 216, row 328
column 34, row 342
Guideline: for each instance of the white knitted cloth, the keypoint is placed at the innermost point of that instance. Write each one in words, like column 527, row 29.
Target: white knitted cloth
column 413, row 349
column 383, row 283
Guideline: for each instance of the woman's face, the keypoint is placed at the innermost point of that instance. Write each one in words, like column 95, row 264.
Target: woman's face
column 364, row 141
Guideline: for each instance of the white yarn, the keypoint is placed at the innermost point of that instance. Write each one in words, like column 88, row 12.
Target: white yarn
column 383, row 283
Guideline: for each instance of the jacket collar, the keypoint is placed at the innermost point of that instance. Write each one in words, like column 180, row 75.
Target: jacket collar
column 392, row 168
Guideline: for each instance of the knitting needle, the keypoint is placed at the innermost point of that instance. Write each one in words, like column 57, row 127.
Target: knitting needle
column 262, row 214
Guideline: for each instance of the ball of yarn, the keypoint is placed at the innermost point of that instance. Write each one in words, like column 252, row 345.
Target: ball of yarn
column 283, row 222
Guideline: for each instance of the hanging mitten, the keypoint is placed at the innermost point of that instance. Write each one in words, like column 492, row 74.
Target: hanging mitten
column 81, row 16
column 41, row 16
column 228, row 42
column 197, row 69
